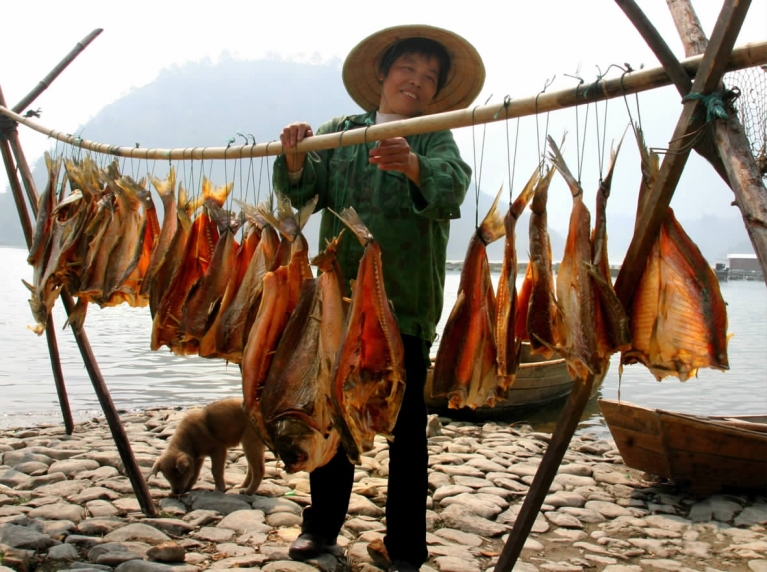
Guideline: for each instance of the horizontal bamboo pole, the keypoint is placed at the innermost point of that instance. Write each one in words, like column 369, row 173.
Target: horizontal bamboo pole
column 746, row 56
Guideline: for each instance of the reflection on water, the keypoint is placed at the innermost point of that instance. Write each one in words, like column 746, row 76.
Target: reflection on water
column 138, row 377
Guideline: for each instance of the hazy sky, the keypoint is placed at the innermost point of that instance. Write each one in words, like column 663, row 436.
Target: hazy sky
column 522, row 44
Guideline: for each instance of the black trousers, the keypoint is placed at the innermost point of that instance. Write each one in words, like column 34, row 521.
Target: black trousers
column 331, row 484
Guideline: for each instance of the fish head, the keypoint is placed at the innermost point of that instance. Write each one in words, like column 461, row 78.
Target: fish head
column 293, row 441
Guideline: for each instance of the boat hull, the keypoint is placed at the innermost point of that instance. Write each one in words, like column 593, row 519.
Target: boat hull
column 539, row 382
column 707, row 454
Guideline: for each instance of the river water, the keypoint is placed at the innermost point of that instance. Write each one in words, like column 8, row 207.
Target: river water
column 138, row 377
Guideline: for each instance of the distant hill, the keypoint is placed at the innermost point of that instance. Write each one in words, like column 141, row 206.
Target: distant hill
column 208, row 104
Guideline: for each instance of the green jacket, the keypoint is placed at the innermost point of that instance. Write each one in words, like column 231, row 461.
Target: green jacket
column 411, row 223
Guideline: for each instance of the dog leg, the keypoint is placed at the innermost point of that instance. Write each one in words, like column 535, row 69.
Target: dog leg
column 218, row 460
column 245, row 484
column 253, row 447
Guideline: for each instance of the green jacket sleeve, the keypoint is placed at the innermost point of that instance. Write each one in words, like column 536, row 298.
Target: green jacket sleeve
column 445, row 177
column 314, row 180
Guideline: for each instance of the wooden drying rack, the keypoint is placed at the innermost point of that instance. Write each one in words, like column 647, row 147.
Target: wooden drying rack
column 723, row 144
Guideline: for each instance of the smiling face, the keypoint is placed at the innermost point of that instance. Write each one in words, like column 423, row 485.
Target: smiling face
column 410, row 84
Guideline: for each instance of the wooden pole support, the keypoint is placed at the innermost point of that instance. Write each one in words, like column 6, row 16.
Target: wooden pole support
column 110, row 413
column 50, row 329
column 705, row 146
column 100, row 387
column 547, row 470
column 731, row 143
column 658, row 199
column 54, row 73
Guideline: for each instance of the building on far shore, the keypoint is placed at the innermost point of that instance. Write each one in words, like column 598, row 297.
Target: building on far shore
column 747, row 262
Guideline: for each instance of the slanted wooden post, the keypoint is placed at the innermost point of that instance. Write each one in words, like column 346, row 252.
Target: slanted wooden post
column 659, row 197
column 675, row 70
column 547, row 470
column 28, row 229
column 99, row 385
column 731, row 142
column 648, row 224
column 10, row 144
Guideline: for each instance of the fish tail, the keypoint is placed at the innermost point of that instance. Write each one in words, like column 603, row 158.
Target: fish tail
column 519, row 204
column 559, row 162
column 492, row 227
column 352, row 220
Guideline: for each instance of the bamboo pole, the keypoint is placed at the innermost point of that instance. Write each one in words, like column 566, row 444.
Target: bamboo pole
column 50, row 329
column 732, row 144
column 54, row 73
column 659, row 197
column 99, row 385
column 745, row 56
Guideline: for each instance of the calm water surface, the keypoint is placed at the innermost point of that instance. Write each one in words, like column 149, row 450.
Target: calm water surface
column 138, row 377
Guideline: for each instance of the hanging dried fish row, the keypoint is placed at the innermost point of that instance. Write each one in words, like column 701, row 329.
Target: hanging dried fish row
column 676, row 324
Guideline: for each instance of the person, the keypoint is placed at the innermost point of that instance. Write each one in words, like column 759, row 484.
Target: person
column 406, row 190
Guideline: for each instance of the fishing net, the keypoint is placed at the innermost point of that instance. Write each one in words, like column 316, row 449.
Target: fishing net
column 752, row 109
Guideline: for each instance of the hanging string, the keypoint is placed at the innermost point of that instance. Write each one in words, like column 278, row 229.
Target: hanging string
column 511, row 169
column 229, row 197
column 242, row 151
column 577, row 123
column 189, row 182
column 627, row 70
column 340, row 204
column 477, row 175
column 601, row 142
column 251, row 174
column 541, row 149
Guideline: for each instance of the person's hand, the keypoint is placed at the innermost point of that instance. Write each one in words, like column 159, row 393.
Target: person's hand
column 394, row 155
column 290, row 137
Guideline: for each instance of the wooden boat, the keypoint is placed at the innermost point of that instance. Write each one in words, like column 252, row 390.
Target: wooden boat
column 706, row 453
column 539, row 383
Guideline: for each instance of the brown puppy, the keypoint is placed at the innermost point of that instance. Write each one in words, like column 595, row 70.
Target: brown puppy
column 209, row 432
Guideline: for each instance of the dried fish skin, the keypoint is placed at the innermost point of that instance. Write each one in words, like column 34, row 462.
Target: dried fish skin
column 508, row 345
column 295, row 402
column 679, row 318
column 368, row 373
column 612, row 323
column 465, row 369
column 576, row 299
column 540, row 314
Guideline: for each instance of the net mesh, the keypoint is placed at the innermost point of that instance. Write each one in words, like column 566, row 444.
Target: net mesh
column 752, row 109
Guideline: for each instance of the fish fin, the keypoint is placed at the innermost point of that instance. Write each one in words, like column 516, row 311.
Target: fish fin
column 352, row 220
column 306, row 211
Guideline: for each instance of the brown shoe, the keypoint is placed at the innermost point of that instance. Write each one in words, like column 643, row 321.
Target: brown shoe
column 377, row 551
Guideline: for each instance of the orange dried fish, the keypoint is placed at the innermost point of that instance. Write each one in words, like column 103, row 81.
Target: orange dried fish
column 295, row 401
column 575, row 292
column 194, row 265
column 678, row 317
column 507, row 343
column 465, row 367
column 368, row 373
column 196, row 315
column 538, row 308
column 612, row 323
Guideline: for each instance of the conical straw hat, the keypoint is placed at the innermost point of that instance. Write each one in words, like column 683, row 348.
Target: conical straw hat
column 464, row 80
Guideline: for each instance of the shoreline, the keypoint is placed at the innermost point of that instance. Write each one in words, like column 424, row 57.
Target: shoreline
column 65, row 502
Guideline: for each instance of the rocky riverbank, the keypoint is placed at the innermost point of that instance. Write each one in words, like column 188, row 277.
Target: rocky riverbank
column 65, row 503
